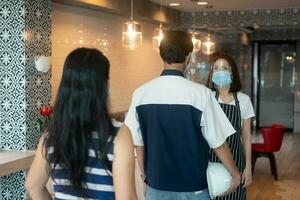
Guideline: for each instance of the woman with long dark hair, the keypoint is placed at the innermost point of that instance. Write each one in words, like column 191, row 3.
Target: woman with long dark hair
column 82, row 152
column 224, row 80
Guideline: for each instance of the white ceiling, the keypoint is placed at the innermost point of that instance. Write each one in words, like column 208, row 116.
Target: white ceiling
column 219, row 5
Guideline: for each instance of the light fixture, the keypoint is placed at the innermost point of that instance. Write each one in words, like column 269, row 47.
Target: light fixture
column 158, row 32
column 290, row 59
column 132, row 33
column 244, row 39
column 195, row 36
column 158, row 36
column 202, row 3
column 208, row 46
column 196, row 41
column 174, row 4
column 42, row 63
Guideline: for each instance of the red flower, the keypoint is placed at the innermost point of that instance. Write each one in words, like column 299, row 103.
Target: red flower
column 44, row 120
column 45, row 112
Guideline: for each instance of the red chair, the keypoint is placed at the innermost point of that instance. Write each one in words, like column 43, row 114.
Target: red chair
column 272, row 143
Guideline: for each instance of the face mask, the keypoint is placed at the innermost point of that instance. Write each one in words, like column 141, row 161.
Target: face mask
column 221, row 79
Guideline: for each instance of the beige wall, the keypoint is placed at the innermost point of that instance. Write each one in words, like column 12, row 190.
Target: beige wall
column 74, row 27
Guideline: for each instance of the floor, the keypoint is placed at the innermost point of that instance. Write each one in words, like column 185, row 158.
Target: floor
column 264, row 187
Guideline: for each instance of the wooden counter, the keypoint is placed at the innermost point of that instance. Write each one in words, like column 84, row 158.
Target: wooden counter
column 14, row 161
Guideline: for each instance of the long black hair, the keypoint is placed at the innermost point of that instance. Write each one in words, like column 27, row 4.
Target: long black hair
column 80, row 110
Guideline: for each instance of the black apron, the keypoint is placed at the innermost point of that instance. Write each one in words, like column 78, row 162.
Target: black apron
column 234, row 141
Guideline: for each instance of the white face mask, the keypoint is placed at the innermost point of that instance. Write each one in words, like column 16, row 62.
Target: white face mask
column 222, row 78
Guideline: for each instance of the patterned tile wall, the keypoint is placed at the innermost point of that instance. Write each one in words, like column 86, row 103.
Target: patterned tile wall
column 12, row 90
column 281, row 34
column 244, row 18
column 12, row 75
column 25, row 28
column 38, row 85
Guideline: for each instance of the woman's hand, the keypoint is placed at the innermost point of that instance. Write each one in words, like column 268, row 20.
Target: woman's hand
column 247, row 177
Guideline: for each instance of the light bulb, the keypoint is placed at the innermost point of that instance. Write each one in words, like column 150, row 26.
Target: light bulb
column 157, row 38
column 196, row 42
column 132, row 35
column 208, row 46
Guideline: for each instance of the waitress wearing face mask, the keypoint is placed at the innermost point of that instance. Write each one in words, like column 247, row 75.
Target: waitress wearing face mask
column 224, row 80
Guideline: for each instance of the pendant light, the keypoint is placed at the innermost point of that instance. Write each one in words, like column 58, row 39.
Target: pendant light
column 158, row 32
column 196, row 41
column 132, row 33
column 195, row 36
column 158, row 36
column 208, row 46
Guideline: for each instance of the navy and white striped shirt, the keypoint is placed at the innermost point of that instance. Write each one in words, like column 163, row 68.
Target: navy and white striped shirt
column 98, row 180
column 176, row 120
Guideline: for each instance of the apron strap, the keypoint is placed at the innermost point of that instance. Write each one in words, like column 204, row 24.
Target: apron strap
column 237, row 103
column 234, row 96
column 238, row 107
column 217, row 95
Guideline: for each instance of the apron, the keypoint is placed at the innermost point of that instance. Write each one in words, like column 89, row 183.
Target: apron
column 234, row 141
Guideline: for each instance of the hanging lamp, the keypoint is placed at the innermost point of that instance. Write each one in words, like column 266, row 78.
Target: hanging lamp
column 196, row 41
column 132, row 33
column 158, row 36
column 195, row 36
column 158, row 32
column 208, row 46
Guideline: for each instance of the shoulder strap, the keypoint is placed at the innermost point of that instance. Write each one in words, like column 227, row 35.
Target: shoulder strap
column 217, row 95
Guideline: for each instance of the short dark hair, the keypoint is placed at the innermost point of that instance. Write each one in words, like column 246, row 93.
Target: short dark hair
column 236, row 85
column 175, row 46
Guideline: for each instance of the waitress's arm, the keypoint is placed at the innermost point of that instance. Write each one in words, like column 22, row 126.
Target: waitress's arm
column 246, row 138
column 37, row 176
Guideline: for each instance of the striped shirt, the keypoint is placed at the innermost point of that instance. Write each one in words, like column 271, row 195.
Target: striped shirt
column 98, row 182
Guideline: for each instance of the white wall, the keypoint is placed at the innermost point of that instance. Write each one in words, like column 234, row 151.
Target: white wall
column 73, row 27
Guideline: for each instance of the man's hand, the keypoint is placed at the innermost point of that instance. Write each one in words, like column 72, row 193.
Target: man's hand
column 143, row 177
column 224, row 154
column 145, row 189
column 235, row 182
